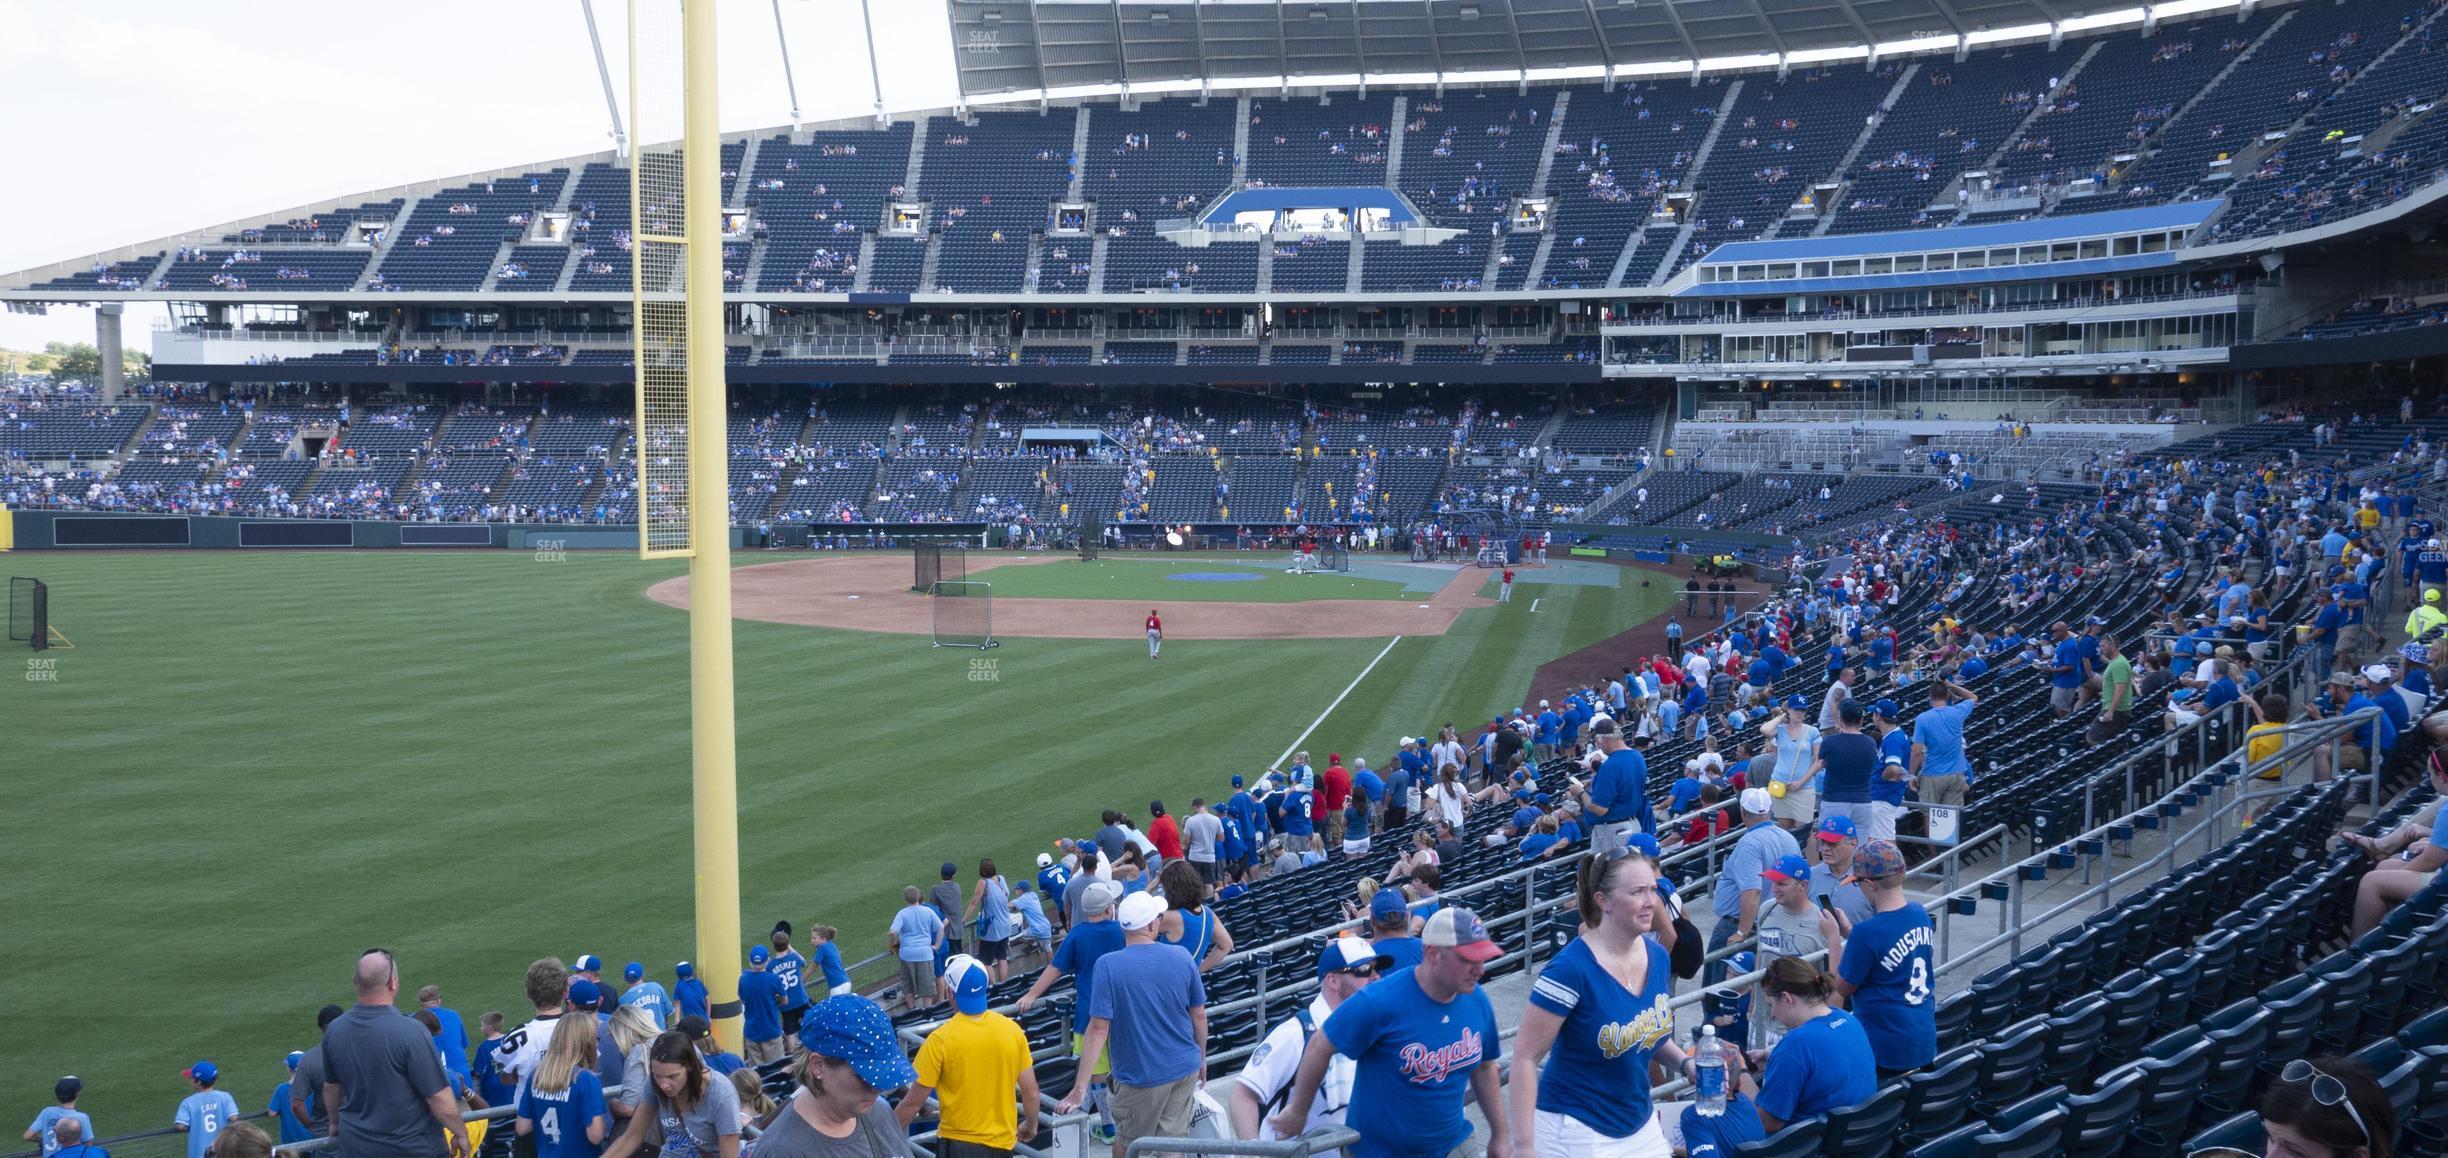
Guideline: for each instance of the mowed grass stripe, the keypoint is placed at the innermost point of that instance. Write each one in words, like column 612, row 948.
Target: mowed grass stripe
column 255, row 765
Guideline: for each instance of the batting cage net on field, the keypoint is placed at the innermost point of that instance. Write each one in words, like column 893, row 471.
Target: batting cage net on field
column 964, row 613
column 1091, row 535
column 1318, row 556
column 29, row 613
column 934, row 561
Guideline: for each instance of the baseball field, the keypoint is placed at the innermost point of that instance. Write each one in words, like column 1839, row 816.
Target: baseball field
column 252, row 766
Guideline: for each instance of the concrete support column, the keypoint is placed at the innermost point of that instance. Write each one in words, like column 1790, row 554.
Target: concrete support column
column 106, row 339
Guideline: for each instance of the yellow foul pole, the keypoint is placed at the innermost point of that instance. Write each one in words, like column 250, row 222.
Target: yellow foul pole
column 713, row 755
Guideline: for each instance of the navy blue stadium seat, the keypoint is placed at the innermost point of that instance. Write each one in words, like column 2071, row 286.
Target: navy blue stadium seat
column 2010, row 1065
column 1867, row 1128
column 2071, row 1045
column 2097, row 1123
column 1939, row 1098
column 1799, row 1140
column 2171, row 1077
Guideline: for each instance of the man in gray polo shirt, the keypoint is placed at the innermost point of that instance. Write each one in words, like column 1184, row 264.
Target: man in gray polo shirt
column 384, row 1080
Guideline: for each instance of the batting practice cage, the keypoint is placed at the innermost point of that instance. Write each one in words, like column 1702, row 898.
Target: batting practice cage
column 936, row 560
column 1091, row 535
column 29, row 613
column 1333, row 557
column 964, row 613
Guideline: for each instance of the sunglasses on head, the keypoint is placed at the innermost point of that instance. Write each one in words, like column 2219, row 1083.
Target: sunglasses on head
column 2326, row 1090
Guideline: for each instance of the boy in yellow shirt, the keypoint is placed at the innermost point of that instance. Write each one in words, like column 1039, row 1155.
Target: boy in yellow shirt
column 978, row 1066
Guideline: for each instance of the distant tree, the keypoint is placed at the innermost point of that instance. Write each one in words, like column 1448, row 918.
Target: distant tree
column 82, row 362
column 74, row 361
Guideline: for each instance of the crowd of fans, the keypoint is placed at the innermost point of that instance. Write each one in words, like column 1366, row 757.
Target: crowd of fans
column 1400, row 1042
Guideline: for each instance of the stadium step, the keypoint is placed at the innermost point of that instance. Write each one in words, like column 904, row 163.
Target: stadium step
column 1623, row 258
column 1241, row 146
column 1989, row 164
column 2150, row 146
column 1394, row 152
column 933, row 261
column 1079, row 155
column 501, row 255
column 1691, row 177
column 1555, row 136
column 1266, row 263
column 382, row 249
column 917, row 156
column 1870, row 128
column 866, row 260
column 1538, row 260
column 1351, row 268
column 1096, row 264
column 1036, row 260
column 740, row 181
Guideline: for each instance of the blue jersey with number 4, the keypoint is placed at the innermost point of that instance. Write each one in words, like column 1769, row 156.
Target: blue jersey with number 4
column 561, row 1118
column 1889, row 963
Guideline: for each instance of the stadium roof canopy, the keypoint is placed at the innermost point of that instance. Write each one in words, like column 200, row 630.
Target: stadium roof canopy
column 1024, row 49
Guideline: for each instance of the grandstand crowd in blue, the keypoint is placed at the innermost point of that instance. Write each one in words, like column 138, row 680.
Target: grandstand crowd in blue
column 1782, row 783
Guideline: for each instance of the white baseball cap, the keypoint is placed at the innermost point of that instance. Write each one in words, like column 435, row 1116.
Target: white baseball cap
column 1140, row 910
column 1756, row 801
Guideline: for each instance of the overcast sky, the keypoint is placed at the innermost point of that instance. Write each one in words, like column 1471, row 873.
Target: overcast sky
column 136, row 119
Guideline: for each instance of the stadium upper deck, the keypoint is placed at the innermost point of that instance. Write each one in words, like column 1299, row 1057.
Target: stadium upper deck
column 1649, row 200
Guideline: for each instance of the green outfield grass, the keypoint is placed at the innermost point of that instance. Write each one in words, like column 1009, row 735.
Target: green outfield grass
column 1150, row 580
column 254, row 766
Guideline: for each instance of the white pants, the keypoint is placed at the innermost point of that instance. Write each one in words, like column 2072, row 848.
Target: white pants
column 841, row 990
column 1155, row 642
column 1559, row 1134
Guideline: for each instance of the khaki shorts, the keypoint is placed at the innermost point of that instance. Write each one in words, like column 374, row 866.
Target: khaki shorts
column 1943, row 790
column 1153, row 1111
column 760, row 1052
column 918, row 981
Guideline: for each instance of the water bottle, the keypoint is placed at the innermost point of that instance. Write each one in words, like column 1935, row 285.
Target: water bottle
column 1708, row 1075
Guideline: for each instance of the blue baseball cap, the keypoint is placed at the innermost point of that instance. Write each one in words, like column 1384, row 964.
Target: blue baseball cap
column 1349, row 952
column 1742, row 962
column 584, row 994
column 684, row 971
column 969, row 981
column 633, row 971
column 295, row 1056
column 588, row 963
column 1642, row 843
column 858, row 1031
column 1884, row 709
column 1386, row 903
column 203, row 1072
column 1789, row 867
column 759, row 954
column 1797, row 703
column 1836, row 828
column 1236, row 780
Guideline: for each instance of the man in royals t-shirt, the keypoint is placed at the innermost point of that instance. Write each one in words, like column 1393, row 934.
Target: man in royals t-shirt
column 1425, row 1042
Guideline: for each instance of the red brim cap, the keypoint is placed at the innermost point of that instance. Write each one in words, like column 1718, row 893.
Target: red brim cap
column 1480, row 951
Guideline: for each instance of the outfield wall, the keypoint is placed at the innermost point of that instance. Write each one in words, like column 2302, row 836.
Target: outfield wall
column 111, row 531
